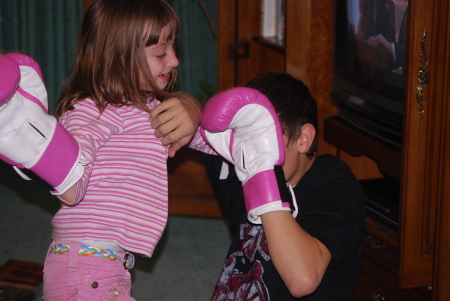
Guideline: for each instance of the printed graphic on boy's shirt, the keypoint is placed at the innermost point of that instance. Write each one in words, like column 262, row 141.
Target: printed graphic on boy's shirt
column 242, row 274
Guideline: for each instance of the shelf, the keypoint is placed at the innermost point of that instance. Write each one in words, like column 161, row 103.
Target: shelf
column 382, row 232
column 375, row 283
column 353, row 141
column 271, row 42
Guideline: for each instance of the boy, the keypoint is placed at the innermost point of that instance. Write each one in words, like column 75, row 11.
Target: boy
column 314, row 254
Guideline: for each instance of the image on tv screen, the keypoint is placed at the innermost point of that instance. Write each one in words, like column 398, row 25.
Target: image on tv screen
column 378, row 36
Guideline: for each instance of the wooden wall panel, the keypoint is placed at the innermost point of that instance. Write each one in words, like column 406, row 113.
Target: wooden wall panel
column 416, row 231
column 307, row 58
column 226, row 30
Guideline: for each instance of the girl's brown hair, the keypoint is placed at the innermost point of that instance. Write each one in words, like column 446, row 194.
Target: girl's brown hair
column 110, row 56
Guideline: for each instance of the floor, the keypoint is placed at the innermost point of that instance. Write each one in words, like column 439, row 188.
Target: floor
column 185, row 265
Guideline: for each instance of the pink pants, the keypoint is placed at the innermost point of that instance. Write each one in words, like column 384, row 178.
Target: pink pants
column 71, row 276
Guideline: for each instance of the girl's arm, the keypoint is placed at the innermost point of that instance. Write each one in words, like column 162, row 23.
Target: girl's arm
column 91, row 130
column 300, row 259
column 68, row 197
column 176, row 120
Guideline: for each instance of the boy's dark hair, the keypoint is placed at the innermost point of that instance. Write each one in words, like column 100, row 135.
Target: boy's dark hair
column 292, row 101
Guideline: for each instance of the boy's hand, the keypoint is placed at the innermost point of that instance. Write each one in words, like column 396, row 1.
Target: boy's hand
column 242, row 126
column 176, row 120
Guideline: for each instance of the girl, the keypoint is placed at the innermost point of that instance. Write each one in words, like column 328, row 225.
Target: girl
column 125, row 65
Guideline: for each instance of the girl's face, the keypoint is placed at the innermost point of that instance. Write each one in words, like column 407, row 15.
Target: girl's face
column 161, row 59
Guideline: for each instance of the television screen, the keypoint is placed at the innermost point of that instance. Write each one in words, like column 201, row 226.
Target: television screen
column 378, row 34
column 369, row 65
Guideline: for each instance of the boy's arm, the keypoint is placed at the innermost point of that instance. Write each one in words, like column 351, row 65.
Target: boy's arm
column 176, row 120
column 300, row 259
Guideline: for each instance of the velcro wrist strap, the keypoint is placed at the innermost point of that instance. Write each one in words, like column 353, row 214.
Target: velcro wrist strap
column 72, row 178
column 59, row 157
column 268, row 191
column 262, row 195
column 260, row 189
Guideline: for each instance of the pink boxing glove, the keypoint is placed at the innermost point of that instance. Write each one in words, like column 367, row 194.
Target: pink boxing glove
column 31, row 80
column 9, row 78
column 29, row 137
column 243, row 127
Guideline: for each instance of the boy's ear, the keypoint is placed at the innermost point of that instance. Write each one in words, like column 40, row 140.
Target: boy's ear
column 306, row 138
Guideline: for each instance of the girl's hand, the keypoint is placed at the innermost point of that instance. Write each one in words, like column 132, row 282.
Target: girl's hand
column 176, row 120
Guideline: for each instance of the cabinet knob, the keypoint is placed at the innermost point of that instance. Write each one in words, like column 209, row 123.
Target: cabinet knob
column 374, row 242
column 377, row 296
column 239, row 51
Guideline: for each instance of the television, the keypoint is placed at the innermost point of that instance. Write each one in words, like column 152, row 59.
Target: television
column 369, row 64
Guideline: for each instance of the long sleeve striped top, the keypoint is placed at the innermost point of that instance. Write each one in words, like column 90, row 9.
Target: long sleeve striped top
column 122, row 197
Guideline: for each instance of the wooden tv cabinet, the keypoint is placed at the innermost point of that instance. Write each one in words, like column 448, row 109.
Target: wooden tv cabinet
column 411, row 263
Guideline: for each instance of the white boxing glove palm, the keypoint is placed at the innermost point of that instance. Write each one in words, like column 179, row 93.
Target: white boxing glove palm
column 29, row 137
column 242, row 126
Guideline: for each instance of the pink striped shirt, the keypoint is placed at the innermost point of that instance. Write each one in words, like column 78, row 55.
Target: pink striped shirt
column 122, row 197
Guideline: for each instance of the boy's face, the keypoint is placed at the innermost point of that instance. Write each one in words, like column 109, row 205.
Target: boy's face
column 292, row 162
column 296, row 162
